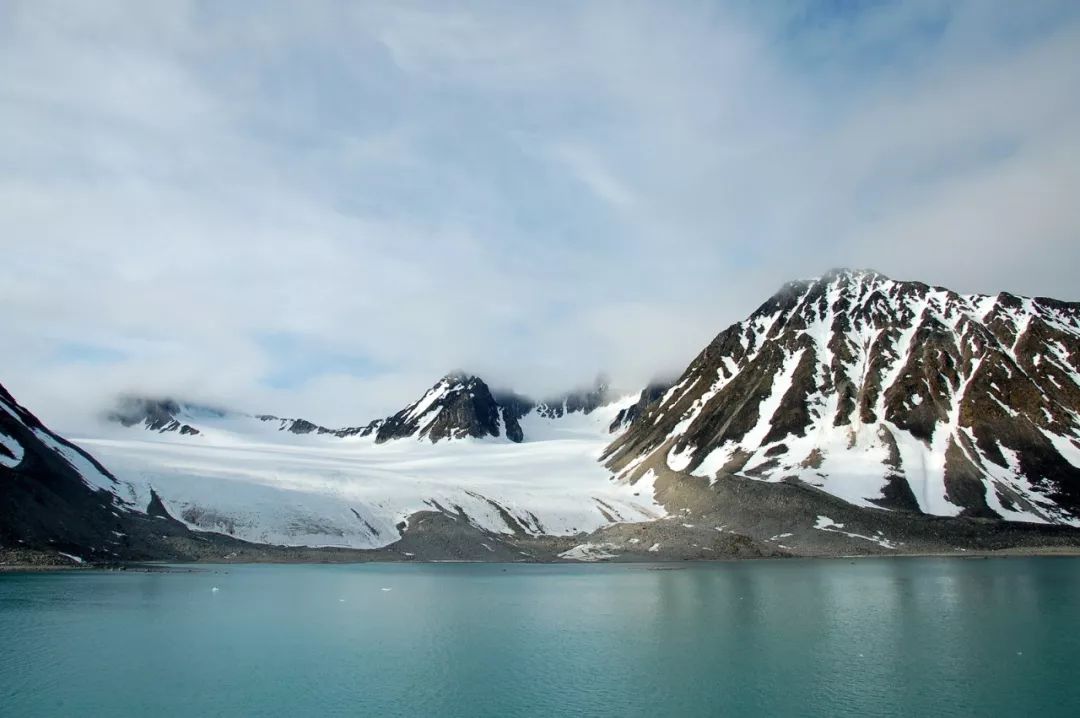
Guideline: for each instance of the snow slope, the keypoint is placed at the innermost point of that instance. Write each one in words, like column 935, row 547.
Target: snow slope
column 276, row 487
column 886, row 394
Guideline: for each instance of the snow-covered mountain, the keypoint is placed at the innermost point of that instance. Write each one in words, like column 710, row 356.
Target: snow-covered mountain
column 458, row 406
column 849, row 401
column 164, row 415
column 886, row 394
column 160, row 415
column 461, row 405
column 56, row 496
column 495, row 460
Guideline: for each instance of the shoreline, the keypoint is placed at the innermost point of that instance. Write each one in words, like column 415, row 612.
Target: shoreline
column 194, row 566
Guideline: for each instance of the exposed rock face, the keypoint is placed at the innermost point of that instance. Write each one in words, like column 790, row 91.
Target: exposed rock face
column 883, row 393
column 303, row 426
column 585, row 401
column 458, row 406
column 629, row 415
column 52, row 493
column 461, row 405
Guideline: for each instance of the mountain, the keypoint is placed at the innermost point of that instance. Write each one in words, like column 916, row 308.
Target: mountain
column 458, row 406
column 461, row 405
column 460, row 456
column 165, row 415
column 886, row 394
column 60, row 505
column 51, row 491
column 848, row 414
column 630, row 414
column 160, row 415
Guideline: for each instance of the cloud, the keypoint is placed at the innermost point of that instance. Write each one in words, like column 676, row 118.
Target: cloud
column 586, row 169
column 317, row 212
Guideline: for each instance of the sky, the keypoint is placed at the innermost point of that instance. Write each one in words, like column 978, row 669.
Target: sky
column 317, row 209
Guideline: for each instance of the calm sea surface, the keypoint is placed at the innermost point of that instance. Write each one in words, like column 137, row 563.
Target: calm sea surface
column 899, row 637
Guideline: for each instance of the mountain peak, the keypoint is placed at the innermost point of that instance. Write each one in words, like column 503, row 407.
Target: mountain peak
column 852, row 273
column 160, row 414
column 884, row 393
column 461, row 376
column 459, row 405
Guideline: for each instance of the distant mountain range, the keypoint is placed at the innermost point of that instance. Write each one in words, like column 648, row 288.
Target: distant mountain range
column 458, row 406
column 852, row 396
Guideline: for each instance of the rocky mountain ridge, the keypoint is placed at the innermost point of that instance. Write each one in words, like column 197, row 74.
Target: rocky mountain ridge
column 60, row 506
column 458, row 406
column 848, row 414
column 884, row 393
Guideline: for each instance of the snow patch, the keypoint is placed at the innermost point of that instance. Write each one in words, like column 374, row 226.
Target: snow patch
column 590, row 552
column 91, row 474
column 824, row 523
column 14, row 448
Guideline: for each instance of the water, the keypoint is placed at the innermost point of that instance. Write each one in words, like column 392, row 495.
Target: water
column 899, row 637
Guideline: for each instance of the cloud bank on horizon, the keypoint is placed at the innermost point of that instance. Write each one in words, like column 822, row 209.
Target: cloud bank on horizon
column 318, row 208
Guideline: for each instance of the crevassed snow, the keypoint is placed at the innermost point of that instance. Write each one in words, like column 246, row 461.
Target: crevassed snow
column 333, row 492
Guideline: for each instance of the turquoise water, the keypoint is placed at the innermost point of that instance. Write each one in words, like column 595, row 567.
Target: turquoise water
column 899, row 637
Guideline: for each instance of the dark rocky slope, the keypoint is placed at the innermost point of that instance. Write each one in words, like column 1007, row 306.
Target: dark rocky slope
column 884, row 393
column 458, row 406
column 56, row 501
column 60, row 506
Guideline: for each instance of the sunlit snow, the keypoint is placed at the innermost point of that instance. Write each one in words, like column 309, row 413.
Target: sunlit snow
column 317, row 490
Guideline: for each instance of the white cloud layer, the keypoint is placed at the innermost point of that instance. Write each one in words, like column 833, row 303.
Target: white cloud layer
column 318, row 208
